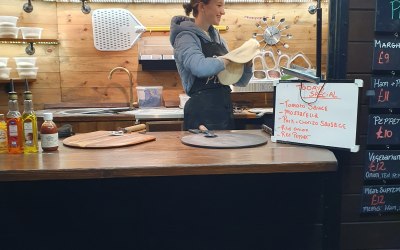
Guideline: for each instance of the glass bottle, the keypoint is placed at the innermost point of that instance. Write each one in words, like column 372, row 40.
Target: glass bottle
column 14, row 125
column 29, row 125
column 3, row 135
column 49, row 133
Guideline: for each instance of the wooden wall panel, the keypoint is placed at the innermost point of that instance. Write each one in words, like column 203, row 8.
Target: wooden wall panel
column 373, row 235
column 352, row 179
column 82, row 70
column 362, row 4
column 364, row 19
column 359, row 57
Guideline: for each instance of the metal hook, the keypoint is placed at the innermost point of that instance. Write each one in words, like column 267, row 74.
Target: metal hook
column 30, row 50
column 28, row 7
column 85, row 8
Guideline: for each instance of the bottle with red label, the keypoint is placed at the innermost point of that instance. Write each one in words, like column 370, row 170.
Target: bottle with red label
column 49, row 133
column 14, row 124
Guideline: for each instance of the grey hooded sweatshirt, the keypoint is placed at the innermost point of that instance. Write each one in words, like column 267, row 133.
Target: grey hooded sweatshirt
column 191, row 63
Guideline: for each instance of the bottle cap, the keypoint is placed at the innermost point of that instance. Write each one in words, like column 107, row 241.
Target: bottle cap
column 28, row 95
column 12, row 95
column 48, row 116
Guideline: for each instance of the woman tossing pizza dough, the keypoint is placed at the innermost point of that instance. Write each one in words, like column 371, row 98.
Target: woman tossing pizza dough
column 205, row 73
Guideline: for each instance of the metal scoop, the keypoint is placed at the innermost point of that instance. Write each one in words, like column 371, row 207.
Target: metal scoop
column 202, row 129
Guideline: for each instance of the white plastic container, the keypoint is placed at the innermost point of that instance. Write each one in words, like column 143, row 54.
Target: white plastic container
column 9, row 32
column 183, row 98
column 5, row 73
column 31, row 32
column 27, row 73
column 3, row 62
column 8, row 21
column 25, row 62
column 149, row 96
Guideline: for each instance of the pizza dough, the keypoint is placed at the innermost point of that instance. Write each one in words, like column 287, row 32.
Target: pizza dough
column 231, row 74
column 238, row 57
column 244, row 53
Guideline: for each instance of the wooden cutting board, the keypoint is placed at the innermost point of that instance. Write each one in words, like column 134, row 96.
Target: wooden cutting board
column 225, row 140
column 104, row 139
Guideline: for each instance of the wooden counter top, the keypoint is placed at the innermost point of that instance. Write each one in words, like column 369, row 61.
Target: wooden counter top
column 166, row 156
column 60, row 117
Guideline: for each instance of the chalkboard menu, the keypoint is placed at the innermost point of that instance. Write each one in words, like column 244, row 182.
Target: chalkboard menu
column 386, row 53
column 386, row 92
column 323, row 114
column 387, row 16
column 383, row 129
column 382, row 159
column 382, row 165
column 381, row 199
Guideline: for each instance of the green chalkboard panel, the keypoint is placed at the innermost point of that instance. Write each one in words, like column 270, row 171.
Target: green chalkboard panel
column 386, row 53
column 387, row 16
column 382, row 165
column 386, row 92
column 381, row 199
column 383, row 129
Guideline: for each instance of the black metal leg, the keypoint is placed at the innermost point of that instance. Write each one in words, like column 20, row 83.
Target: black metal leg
column 331, row 211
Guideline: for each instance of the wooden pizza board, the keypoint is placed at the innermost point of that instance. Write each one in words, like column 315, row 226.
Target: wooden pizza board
column 225, row 140
column 104, row 139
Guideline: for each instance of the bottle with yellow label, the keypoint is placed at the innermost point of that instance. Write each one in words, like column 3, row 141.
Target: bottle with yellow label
column 3, row 135
column 29, row 124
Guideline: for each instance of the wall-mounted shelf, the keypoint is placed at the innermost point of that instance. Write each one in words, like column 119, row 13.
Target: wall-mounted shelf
column 30, row 50
column 17, row 80
column 24, row 41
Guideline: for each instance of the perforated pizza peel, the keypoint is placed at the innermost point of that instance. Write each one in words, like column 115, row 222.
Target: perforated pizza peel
column 115, row 29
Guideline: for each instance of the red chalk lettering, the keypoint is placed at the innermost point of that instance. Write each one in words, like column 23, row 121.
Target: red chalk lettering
column 383, row 58
column 377, row 200
column 383, row 133
column 383, row 96
column 379, row 166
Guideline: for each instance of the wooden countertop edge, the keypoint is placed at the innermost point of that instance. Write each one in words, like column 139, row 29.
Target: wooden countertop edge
column 149, row 171
column 123, row 117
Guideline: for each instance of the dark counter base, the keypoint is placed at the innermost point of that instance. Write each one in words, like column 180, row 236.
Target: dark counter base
column 274, row 211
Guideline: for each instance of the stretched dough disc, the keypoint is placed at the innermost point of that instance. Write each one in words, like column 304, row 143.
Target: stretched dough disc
column 231, row 74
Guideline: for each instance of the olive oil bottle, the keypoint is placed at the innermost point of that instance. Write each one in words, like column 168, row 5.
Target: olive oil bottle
column 29, row 123
column 14, row 124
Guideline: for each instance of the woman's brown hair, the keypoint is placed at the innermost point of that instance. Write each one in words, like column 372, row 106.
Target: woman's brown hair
column 193, row 5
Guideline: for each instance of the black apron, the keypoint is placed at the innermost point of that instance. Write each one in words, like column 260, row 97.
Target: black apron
column 210, row 102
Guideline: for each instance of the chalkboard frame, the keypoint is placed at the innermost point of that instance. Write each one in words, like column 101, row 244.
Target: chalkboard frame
column 352, row 148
